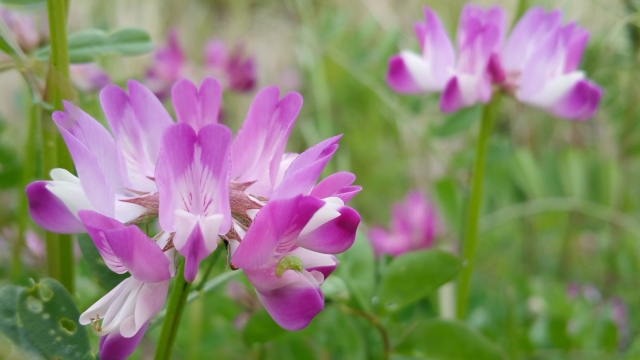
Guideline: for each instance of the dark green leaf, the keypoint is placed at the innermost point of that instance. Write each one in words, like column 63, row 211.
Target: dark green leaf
column 107, row 278
column 5, row 47
column 414, row 275
column 448, row 340
column 357, row 270
column 457, row 122
column 261, row 328
column 50, row 319
column 91, row 44
column 13, row 340
column 10, row 169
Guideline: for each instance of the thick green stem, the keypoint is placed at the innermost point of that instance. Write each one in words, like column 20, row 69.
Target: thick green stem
column 59, row 247
column 175, row 308
column 475, row 201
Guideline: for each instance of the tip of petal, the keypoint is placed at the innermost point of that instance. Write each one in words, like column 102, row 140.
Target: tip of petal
column 399, row 78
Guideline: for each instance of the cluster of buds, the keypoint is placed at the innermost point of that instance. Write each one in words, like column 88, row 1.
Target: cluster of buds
column 280, row 225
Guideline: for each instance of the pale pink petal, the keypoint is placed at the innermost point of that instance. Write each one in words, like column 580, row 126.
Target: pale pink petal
column 138, row 120
column 257, row 149
column 314, row 261
column 197, row 107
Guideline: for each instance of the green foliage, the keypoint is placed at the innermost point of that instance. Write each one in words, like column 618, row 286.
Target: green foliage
column 42, row 322
column 457, row 122
column 261, row 328
column 414, row 275
column 91, row 44
column 448, row 340
column 356, row 268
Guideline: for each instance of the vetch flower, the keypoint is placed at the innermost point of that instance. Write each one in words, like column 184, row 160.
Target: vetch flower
column 23, row 28
column 414, row 225
column 168, row 66
column 464, row 81
column 115, row 173
column 237, row 70
column 88, row 77
column 540, row 63
column 122, row 315
column 286, row 277
column 193, row 178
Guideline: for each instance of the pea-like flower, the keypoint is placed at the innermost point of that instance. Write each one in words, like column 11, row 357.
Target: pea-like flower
column 414, row 225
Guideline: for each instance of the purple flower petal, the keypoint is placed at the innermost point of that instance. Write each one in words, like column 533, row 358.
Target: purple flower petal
column 580, row 102
column 292, row 300
column 197, row 107
column 257, row 149
column 305, row 169
column 94, row 155
column 274, row 230
column 405, row 71
column 334, row 236
column 338, row 185
column 313, row 261
column 116, row 347
column 49, row 212
column 126, row 248
column 138, row 121
column 192, row 174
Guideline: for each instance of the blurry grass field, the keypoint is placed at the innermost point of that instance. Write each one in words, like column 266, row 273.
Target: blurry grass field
column 561, row 207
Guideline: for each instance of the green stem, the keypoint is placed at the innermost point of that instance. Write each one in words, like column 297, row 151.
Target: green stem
column 59, row 247
column 475, row 201
column 175, row 308
column 28, row 171
column 212, row 261
column 386, row 341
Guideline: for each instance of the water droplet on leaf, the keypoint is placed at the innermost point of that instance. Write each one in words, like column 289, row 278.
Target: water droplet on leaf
column 34, row 304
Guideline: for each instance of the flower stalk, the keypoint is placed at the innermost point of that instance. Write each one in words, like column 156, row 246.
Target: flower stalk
column 470, row 240
column 175, row 308
column 59, row 247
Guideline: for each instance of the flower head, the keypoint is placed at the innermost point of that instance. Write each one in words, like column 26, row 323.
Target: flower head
column 414, row 225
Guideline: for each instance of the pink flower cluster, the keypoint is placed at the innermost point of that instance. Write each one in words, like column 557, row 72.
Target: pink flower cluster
column 414, row 225
column 282, row 227
column 537, row 63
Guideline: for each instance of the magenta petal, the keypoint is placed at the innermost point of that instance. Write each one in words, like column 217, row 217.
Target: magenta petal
column 580, row 102
column 338, row 185
column 194, row 251
column 257, row 149
column 98, row 226
column 49, row 212
column 275, row 228
column 138, row 120
column 126, row 247
column 451, row 98
column 313, row 261
column 192, row 173
column 334, row 236
column 94, row 156
column 197, row 107
column 114, row 346
column 399, row 77
column 383, row 242
column 305, row 169
column 293, row 305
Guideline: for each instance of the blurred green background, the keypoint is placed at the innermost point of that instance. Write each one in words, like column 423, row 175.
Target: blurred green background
column 557, row 273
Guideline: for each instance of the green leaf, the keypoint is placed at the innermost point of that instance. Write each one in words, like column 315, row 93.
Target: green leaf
column 414, row 275
column 5, row 47
column 527, row 173
column 358, row 272
column 42, row 322
column 10, row 167
column 261, row 328
column 448, row 340
column 50, row 319
column 573, row 173
column 448, row 200
column 457, row 122
column 89, row 45
column 107, row 278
